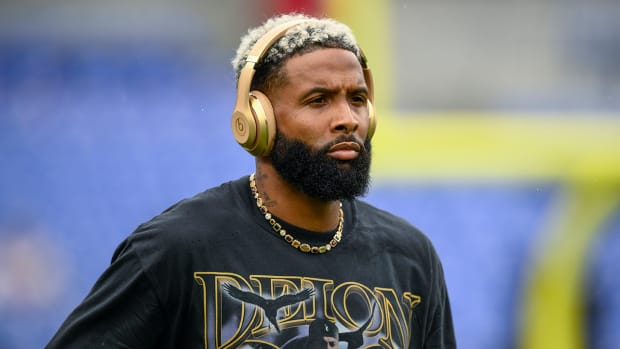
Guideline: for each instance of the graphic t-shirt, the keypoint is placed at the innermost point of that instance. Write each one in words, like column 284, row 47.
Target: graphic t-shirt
column 210, row 272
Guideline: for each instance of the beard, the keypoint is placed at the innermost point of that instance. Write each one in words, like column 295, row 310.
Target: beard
column 316, row 174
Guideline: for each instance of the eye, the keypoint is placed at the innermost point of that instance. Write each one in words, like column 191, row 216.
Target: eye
column 359, row 99
column 317, row 100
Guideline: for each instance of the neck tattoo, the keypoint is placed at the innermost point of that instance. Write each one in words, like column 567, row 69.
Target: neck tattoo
column 277, row 227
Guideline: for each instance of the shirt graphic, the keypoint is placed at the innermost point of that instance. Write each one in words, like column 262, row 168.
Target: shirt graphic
column 288, row 312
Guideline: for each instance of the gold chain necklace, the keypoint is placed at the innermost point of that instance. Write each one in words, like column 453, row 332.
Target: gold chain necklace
column 277, row 227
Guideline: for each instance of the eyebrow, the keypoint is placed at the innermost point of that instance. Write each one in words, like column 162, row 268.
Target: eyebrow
column 330, row 91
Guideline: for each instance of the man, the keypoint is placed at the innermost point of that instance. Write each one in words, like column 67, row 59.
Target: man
column 256, row 261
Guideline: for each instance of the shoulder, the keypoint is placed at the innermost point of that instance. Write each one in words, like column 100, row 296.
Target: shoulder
column 206, row 207
column 376, row 220
column 384, row 228
column 209, row 203
column 369, row 214
column 191, row 221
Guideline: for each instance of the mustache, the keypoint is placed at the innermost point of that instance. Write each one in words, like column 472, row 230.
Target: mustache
column 345, row 138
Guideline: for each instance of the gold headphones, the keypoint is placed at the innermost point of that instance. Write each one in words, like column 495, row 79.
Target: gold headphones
column 253, row 122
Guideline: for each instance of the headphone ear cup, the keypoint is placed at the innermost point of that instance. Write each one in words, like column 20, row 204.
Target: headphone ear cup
column 372, row 120
column 261, row 108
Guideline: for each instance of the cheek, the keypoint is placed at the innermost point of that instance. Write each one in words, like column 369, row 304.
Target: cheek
column 309, row 129
column 363, row 128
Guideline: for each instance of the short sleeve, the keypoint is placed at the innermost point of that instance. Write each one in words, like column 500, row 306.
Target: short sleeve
column 440, row 333
column 121, row 310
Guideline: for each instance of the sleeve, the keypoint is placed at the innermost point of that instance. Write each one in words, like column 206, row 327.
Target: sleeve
column 440, row 334
column 121, row 311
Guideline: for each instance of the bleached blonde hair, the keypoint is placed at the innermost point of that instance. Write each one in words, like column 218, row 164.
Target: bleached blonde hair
column 307, row 36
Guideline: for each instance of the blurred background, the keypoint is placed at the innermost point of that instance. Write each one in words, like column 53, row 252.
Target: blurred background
column 498, row 136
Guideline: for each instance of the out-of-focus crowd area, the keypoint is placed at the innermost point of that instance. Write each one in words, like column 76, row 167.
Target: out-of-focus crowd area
column 498, row 136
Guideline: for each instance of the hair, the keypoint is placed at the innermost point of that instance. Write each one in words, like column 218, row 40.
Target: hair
column 306, row 37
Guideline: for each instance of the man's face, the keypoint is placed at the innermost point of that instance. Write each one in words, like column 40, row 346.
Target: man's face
column 325, row 342
column 323, row 97
column 322, row 119
column 330, row 342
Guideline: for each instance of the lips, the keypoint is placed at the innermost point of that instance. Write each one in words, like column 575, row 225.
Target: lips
column 344, row 151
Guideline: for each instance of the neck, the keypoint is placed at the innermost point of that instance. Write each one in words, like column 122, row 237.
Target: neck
column 293, row 206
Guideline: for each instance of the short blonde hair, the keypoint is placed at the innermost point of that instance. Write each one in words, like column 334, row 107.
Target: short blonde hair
column 316, row 32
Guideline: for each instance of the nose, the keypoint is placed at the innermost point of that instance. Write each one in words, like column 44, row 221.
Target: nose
column 345, row 118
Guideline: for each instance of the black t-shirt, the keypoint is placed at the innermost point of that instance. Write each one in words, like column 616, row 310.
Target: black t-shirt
column 210, row 272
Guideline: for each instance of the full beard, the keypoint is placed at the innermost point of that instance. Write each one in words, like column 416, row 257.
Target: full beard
column 316, row 174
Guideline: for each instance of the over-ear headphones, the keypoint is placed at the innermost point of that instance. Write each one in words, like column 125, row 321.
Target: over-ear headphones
column 253, row 121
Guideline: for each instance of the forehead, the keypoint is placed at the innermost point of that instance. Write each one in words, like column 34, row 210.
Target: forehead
column 329, row 65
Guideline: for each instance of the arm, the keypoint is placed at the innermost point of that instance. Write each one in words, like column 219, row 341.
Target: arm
column 121, row 310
